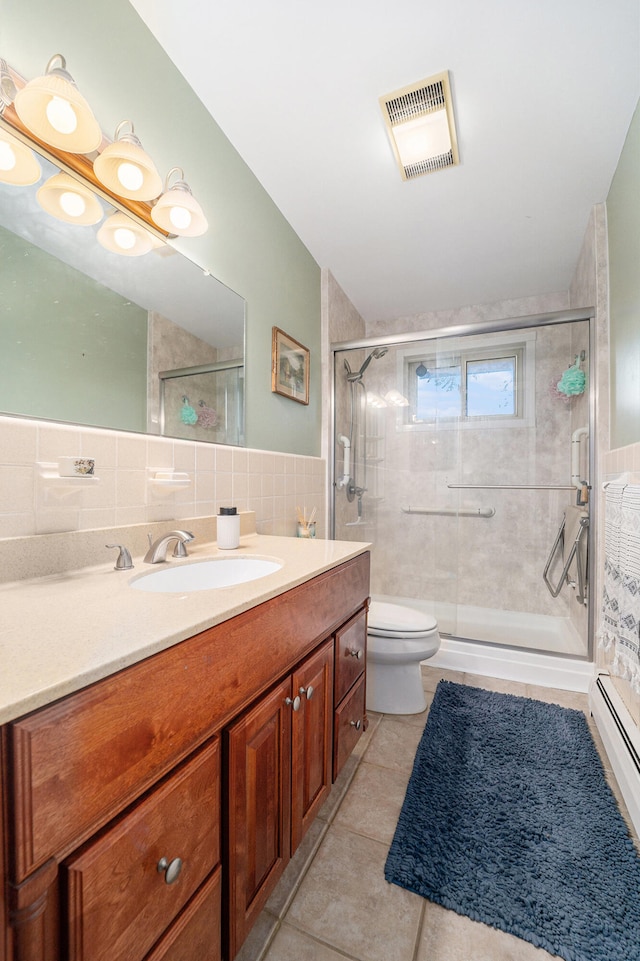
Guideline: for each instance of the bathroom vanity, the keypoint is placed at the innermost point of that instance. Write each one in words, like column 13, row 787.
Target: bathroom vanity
column 149, row 814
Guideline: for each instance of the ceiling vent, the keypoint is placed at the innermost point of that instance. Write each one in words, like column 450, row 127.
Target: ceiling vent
column 421, row 126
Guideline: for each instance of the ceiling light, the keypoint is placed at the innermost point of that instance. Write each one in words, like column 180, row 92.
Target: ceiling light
column 177, row 211
column 126, row 170
column 121, row 235
column 421, row 126
column 18, row 164
column 53, row 109
column 67, row 199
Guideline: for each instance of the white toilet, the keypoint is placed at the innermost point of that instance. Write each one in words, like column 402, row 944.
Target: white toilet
column 398, row 638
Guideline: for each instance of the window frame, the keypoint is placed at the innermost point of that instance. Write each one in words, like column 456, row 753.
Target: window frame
column 459, row 351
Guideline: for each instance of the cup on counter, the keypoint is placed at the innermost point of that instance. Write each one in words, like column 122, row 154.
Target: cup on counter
column 307, row 529
column 76, row 466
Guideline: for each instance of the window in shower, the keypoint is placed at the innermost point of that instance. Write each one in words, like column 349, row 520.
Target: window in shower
column 470, row 385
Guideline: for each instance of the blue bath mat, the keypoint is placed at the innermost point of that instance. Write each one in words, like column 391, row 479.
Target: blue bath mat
column 508, row 819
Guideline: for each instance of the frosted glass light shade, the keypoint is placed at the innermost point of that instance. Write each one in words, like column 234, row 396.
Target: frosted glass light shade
column 18, row 164
column 178, row 212
column 127, row 170
column 423, row 138
column 121, row 235
column 69, row 200
column 53, row 109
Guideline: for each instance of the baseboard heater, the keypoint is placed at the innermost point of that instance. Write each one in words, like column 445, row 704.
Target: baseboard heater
column 621, row 738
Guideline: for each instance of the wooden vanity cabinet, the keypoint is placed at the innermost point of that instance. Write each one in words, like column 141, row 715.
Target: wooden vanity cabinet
column 102, row 785
column 279, row 762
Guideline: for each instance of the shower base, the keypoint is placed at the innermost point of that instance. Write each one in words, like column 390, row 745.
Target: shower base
column 537, row 632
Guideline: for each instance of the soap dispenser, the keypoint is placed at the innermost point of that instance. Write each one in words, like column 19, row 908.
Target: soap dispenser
column 228, row 523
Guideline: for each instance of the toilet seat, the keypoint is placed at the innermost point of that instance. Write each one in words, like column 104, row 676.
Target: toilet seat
column 395, row 620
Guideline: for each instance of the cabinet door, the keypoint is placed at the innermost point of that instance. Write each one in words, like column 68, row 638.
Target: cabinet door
column 311, row 740
column 259, row 807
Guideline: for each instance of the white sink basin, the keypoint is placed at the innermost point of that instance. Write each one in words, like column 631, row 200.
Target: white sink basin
column 205, row 575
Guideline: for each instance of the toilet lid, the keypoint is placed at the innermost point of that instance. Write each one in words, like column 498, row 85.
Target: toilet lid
column 396, row 620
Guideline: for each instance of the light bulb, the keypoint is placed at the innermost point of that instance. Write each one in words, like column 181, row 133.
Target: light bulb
column 61, row 115
column 124, row 238
column 130, row 176
column 7, row 156
column 180, row 217
column 73, row 204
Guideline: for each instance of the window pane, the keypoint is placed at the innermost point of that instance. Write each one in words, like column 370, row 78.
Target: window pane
column 437, row 392
column 491, row 387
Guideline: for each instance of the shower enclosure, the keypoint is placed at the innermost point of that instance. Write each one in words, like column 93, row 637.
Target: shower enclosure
column 204, row 402
column 467, row 468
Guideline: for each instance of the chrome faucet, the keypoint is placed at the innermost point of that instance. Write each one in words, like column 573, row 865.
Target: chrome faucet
column 157, row 552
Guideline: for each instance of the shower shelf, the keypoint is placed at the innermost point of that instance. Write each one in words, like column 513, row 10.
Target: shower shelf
column 511, row 487
column 461, row 512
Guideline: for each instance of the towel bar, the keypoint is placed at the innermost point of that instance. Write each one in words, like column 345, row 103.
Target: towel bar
column 574, row 552
column 462, row 512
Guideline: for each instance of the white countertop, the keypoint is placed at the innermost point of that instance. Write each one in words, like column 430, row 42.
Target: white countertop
column 62, row 632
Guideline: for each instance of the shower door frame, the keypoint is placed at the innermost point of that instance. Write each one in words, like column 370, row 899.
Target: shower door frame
column 488, row 327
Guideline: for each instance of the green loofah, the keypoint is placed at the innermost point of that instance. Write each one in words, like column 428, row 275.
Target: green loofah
column 572, row 382
column 187, row 413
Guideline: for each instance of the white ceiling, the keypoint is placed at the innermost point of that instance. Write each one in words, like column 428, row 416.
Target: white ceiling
column 544, row 91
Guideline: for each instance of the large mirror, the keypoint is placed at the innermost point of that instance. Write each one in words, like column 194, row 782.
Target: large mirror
column 150, row 343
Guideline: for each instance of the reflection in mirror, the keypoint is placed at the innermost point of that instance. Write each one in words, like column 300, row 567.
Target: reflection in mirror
column 85, row 333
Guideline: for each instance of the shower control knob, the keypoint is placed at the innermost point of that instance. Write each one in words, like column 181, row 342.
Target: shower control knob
column 356, row 724
column 295, row 703
column 357, row 654
column 306, row 692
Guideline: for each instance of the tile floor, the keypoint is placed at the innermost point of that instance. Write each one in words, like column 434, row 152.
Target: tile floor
column 333, row 903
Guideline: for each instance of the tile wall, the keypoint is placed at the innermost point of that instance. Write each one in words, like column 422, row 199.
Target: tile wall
column 271, row 484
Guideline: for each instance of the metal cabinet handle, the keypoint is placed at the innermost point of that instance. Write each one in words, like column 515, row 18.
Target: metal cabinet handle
column 307, row 691
column 356, row 724
column 295, row 703
column 171, row 869
column 356, row 653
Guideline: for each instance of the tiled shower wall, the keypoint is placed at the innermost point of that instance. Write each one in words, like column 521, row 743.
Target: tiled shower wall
column 494, row 562
column 271, row 484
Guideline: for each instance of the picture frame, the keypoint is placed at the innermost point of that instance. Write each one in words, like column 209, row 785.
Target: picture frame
column 289, row 367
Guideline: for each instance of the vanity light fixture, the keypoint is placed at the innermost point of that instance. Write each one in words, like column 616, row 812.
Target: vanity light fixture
column 177, row 211
column 125, row 169
column 67, row 199
column 18, row 164
column 421, row 126
column 53, row 109
column 121, row 235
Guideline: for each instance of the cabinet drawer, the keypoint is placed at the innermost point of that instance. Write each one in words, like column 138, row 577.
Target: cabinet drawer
column 351, row 650
column 119, row 902
column 196, row 933
column 348, row 726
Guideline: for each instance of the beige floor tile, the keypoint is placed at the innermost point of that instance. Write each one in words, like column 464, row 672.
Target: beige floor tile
column 294, row 871
column 497, row 684
column 394, row 745
column 372, row 806
column 260, row 935
column 572, row 699
column 432, row 675
column 345, row 902
column 292, row 945
column 447, row 936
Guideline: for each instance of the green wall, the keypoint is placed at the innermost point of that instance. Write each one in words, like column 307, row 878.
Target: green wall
column 623, row 223
column 63, row 360
column 124, row 74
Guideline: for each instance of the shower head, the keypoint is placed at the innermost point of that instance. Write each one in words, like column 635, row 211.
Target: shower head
column 376, row 353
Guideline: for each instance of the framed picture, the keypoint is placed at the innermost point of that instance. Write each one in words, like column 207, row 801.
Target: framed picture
column 289, row 367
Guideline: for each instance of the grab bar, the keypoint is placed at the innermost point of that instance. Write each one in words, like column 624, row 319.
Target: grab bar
column 574, row 552
column 463, row 512
column 511, row 487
